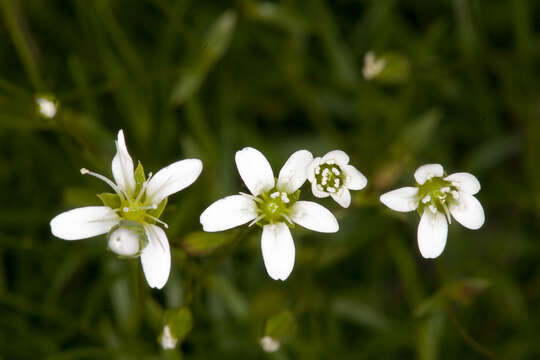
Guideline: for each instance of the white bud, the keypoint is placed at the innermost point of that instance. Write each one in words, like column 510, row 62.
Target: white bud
column 167, row 340
column 268, row 344
column 46, row 107
column 124, row 242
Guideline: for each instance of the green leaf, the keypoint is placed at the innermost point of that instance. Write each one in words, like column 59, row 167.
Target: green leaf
column 111, row 200
column 157, row 212
column 396, row 69
column 201, row 243
column 280, row 326
column 216, row 43
column 180, row 322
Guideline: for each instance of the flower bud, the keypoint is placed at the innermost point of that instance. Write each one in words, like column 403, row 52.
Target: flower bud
column 269, row 344
column 167, row 340
column 124, row 242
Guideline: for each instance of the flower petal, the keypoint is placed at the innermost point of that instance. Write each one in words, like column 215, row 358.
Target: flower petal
column 318, row 193
column 426, row 172
column 468, row 211
column 254, row 170
column 83, row 222
column 432, row 233
column 314, row 217
column 465, row 182
column 342, row 197
column 310, row 170
column 228, row 212
column 340, row 157
column 172, row 179
column 403, row 199
column 354, row 179
column 278, row 252
column 122, row 166
column 293, row 174
column 156, row 257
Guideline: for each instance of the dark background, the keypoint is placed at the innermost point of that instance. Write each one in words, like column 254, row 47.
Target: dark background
column 204, row 79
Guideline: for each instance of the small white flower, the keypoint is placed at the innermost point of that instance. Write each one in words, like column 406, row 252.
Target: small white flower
column 47, row 107
column 372, row 65
column 274, row 204
column 167, row 340
column 269, row 344
column 332, row 176
column 138, row 206
column 437, row 198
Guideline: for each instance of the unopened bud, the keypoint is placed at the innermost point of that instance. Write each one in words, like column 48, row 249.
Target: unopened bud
column 124, row 242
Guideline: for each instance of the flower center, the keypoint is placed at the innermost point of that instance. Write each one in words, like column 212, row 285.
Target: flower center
column 435, row 194
column 274, row 206
column 329, row 177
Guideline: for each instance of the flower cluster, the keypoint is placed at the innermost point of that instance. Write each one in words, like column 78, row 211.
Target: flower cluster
column 275, row 204
column 130, row 214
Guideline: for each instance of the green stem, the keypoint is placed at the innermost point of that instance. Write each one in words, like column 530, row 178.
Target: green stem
column 469, row 339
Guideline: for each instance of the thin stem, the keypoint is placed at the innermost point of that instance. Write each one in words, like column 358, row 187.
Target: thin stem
column 469, row 339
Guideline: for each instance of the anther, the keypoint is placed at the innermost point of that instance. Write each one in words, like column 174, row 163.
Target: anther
column 433, row 208
column 426, row 199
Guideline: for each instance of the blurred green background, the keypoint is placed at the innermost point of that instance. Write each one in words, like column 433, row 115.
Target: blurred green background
column 203, row 79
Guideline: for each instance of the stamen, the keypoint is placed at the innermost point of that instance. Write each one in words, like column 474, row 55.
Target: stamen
column 256, row 220
column 286, row 217
column 447, row 212
column 433, row 208
column 105, row 179
column 285, row 198
column 125, row 209
column 157, row 220
column 319, row 186
column 318, row 170
column 274, row 195
column 254, row 198
column 426, row 199
column 331, row 189
column 330, row 162
column 335, row 171
column 149, row 207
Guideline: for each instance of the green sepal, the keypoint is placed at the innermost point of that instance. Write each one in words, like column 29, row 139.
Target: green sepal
column 180, row 322
column 111, row 200
column 280, row 326
column 159, row 210
column 140, row 178
column 294, row 196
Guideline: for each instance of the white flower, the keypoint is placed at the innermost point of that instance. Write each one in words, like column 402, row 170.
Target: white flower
column 269, row 344
column 167, row 340
column 130, row 214
column 275, row 205
column 332, row 176
column 437, row 198
column 47, row 107
column 372, row 65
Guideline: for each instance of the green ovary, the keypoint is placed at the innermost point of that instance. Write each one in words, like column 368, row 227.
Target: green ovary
column 436, row 194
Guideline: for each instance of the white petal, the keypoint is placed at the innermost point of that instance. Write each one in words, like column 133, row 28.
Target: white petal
column 293, row 174
column 172, row 179
column 228, row 212
column 468, row 211
column 314, row 217
column 255, row 170
column 426, row 172
column 310, row 170
column 156, row 257
column 122, row 166
column 340, row 157
column 278, row 251
column 403, row 199
column 432, row 233
column 83, row 222
column 465, row 182
column 354, row 179
column 318, row 193
column 342, row 197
